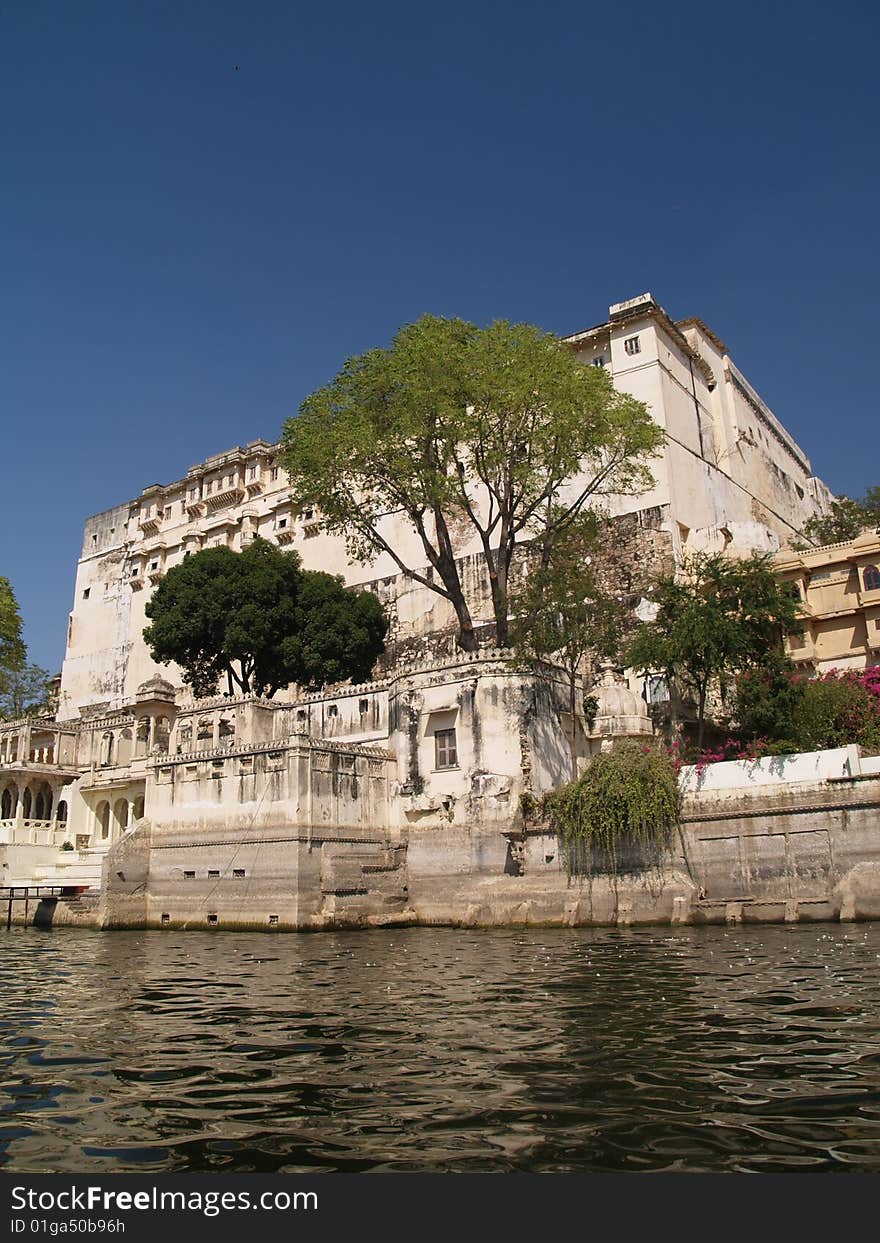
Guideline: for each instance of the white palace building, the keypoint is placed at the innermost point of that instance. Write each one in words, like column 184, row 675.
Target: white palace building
column 440, row 741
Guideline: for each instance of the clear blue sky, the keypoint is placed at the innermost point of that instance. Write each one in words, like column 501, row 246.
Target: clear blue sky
column 189, row 248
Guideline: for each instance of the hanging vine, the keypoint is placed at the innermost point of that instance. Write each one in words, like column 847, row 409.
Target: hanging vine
column 619, row 815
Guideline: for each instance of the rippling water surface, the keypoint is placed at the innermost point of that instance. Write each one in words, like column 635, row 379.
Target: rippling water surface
column 434, row 1049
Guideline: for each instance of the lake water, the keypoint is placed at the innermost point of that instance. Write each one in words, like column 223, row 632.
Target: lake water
column 422, row 1049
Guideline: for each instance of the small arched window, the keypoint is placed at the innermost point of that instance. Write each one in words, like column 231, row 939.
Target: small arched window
column 871, row 578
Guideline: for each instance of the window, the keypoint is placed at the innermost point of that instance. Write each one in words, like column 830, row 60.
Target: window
column 281, row 524
column 274, row 473
column 213, row 873
column 333, row 710
column 189, row 876
column 273, row 921
column 166, row 918
column 212, row 920
column 793, row 591
column 632, row 345
column 599, row 360
column 656, row 689
column 238, row 872
column 252, row 472
column 363, row 706
column 168, row 511
column 445, row 751
column 154, row 565
column 871, row 578
column 86, row 593
column 309, row 513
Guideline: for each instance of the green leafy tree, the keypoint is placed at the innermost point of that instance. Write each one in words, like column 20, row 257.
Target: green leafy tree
column 13, row 654
column 27, row 691
column 715, row 617
column 498, row 434
column 262, row 621
column 845, row 520
column 563, row 614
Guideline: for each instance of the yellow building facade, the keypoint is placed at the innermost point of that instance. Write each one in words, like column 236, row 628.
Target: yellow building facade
column 838, row 587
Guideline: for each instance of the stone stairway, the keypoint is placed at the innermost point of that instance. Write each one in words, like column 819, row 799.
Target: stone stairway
column 364, row 882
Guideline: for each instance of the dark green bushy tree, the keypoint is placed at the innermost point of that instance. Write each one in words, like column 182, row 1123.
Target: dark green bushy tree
column 262, row 621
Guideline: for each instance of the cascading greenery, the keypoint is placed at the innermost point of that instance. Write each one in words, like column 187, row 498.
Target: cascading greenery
column 619, row 815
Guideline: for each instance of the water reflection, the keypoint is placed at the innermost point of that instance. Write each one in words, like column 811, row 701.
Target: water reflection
column 437, row 1049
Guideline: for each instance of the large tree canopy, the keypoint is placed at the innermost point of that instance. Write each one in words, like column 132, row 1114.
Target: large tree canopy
column 260, row 619
column 496, row 433
column 716, row 616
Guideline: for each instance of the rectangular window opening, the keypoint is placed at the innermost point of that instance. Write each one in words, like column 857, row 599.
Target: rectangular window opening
column 445, row 749
column 632, row 345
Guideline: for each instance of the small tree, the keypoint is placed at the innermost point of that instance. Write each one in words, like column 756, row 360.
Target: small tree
column 260, row 619
column 716, row 616
column 26, row 692
column 13, row 653
column 767, row 697
column 495, row 434
column 563, row 614
column 845, row 520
